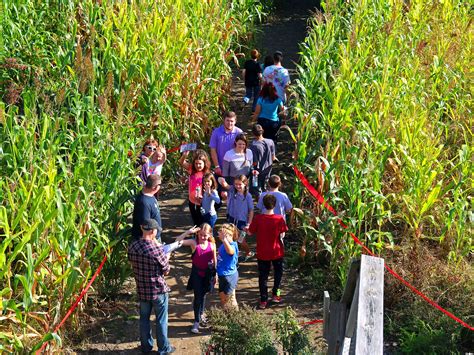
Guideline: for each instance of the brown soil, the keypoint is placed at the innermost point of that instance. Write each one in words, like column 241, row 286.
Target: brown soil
column 112, row 327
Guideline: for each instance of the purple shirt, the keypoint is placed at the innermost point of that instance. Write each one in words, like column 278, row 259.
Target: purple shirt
column 222, row 141
column 238, row 205
column 149, row 264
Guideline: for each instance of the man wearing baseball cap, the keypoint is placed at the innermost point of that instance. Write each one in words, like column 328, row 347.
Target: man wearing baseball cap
column 150, row 265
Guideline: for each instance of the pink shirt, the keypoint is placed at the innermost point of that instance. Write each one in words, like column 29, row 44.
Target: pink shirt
column 195, row 180
column 202, row 257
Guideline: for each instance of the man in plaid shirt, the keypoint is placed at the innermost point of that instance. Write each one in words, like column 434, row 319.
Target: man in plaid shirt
column 150, row 265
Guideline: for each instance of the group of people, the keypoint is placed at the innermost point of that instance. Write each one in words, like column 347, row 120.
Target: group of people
column 241, row 173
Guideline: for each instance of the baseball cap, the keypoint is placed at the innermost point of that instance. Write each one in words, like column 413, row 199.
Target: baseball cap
column 150, row 224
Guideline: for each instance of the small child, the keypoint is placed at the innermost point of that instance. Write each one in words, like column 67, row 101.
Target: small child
column 152, row 158
column 239, row 209
column 227, row 265
column 203, row 270
column 270, row 229
column 252, row 74
column 209, row 198
column 283, row 203
column 199, row 166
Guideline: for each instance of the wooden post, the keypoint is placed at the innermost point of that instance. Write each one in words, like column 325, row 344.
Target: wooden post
column 352, row 277
column 327, row 302
column 369, row 330
column 337, row 326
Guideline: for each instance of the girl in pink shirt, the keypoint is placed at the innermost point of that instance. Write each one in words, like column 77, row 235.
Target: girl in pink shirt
column 203, row 270
column 199, row 166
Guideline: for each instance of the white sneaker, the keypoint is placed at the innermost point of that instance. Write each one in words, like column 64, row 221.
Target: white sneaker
column 195, row 328
column 246, row 100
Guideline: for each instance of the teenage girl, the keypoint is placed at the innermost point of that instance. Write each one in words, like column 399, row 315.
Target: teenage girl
column 227, row 265
column 239, row 208
column 199, row 166
column 204, row 261
column 209, row 198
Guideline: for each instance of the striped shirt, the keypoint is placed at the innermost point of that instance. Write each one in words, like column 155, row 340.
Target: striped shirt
column 149, row 264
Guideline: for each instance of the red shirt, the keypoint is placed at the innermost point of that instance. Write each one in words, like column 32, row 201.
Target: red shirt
column 268, row 228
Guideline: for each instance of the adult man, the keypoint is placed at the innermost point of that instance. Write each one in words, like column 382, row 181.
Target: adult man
column 278, row 76
column 146, row 207
column 263, row 150
column 150, row 265
column 222, row 140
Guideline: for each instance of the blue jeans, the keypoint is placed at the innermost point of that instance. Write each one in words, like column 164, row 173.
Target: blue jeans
column 161, row 312
column 158, row 233
column 252, row 91
column 210, row 219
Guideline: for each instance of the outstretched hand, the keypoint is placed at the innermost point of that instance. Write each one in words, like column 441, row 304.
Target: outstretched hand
column 193, row 230
column 190, row 231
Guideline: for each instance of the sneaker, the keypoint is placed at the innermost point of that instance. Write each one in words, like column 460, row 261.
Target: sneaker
column 246, row 100
column 262, row 305
column 276, row 298
column 250, row 255
column 195, row 328
column 171, row 350
column 203, row 323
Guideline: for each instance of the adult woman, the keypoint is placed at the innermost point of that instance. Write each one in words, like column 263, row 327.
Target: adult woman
column 237, row 161
column 152, row 158
column 269, row 105
column 203, row 270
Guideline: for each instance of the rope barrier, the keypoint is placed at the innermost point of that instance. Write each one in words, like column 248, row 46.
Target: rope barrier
column 74, row 305
column 315, row 321
column 324, row 203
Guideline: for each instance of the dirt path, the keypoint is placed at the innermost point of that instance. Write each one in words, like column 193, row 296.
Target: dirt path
column 114, row 326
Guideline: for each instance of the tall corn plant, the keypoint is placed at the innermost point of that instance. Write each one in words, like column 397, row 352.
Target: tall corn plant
column 390, row 82
column 83, row 84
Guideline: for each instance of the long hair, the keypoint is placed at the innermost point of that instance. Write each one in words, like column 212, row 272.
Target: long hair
column 245, row 181
column 210, row 177
column 243, row 138
column 207, row 227
column 268, row 92
column 200, row 154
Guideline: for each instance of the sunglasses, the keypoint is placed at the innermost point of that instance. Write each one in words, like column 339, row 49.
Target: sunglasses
column 150, row 147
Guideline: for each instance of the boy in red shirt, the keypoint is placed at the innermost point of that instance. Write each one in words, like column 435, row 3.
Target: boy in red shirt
column 270, row 228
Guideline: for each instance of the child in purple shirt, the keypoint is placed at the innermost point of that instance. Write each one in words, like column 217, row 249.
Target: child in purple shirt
column 239, row 208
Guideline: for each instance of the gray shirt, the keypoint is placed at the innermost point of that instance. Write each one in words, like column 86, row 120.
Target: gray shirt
column 283, row 203
column 237, row 163
column 263, row 152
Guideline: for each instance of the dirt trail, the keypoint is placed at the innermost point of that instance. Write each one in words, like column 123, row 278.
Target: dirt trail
column 114, row 326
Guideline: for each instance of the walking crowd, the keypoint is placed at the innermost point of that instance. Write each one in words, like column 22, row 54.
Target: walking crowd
column 241, row 174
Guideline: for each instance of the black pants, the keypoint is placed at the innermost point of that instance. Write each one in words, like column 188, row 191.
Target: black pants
column 264, row 267
column 195, row 213
column 200, row 290
column 270, row 128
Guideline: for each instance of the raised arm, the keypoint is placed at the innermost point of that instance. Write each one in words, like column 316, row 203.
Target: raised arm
column 228, row 247
column 190, row 231
column 183, row 162
column 223, row 183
